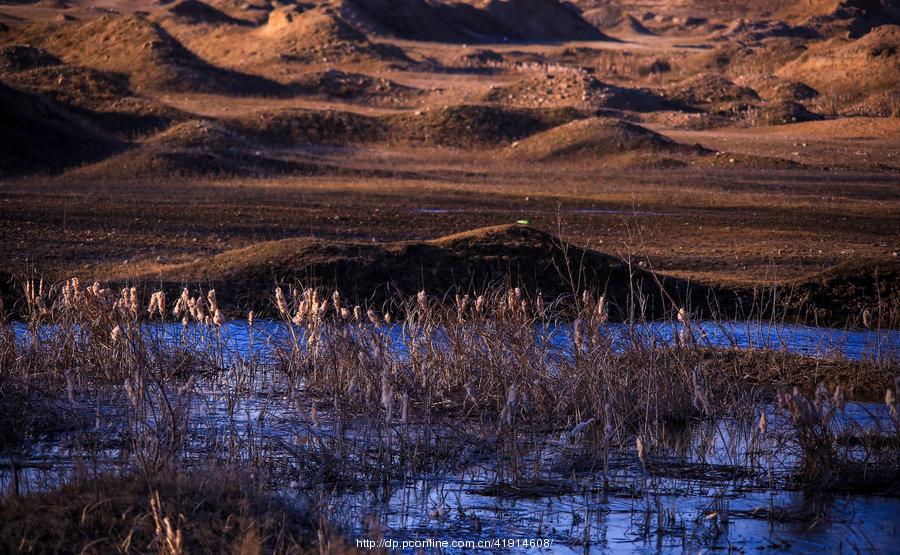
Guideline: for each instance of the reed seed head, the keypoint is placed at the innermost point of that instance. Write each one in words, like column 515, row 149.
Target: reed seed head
column 839, row 399
column 602, row 311
column 280, row 302
column 133, row 303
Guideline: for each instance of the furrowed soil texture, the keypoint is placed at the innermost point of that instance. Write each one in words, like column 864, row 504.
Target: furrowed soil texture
column 731, row 147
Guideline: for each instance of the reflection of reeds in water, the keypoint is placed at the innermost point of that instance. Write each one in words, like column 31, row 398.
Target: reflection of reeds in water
column 352, row 398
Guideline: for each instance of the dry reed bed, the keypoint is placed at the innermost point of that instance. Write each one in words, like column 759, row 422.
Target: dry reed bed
column 342, row 403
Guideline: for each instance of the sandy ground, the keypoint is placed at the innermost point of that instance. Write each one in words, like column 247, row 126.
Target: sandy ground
column 755, row 219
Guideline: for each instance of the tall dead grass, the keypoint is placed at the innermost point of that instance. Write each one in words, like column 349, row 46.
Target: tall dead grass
column 343, row 397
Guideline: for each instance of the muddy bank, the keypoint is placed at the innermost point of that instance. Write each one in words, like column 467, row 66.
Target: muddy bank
column 487, row 259
column 477, row 261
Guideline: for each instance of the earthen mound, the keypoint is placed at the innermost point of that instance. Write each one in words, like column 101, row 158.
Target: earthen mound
column 143, row 50
column 470, row 20
column 472, row 125
column 598, row 139
column 40, row 136
column 469, row 262
column 850, row 68
column 575, row 88
column 195, row 12
column 18, row 57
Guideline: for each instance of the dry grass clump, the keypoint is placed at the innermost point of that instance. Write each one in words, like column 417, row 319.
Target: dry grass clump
column 841, row 454
column 512, row 365
column 207, row 511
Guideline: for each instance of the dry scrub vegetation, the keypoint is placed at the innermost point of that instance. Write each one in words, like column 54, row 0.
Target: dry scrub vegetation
column 342, row 398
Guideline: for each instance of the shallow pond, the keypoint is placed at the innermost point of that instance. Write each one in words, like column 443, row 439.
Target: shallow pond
column 235, row 336
column 722, row 488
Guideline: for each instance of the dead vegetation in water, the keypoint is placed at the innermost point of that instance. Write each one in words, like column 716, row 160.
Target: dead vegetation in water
column 349, row 397
column 208, row 510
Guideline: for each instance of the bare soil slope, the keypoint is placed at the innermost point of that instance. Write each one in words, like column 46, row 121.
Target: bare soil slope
column 37, row 133
column 140, row 48
column 602, row 140
column 853, row 68
column 472, row 21
column 471, row 262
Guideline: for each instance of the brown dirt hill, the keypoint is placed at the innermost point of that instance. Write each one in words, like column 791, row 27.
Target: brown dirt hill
column 160, row 162
column 197, row 148
column 850, row 69
column 778, row 112
column 846, row 18
column 140, row 48
column 612, row 19
column 367, row 273
column 771, row 88
column 471, row 21
column 195, row 12
column 254, row 11
column 462, row 126
column 845, row 291
column 601, row 139
column 575, row 89
column 314, row 26
column 540, row 19
column 41, row 136
column 754, row 32
column 100, row 97
column 709, row 89
column 840, row 294
column 198, row 133
column 335, row 84
column 605, row 16
column 320, row 34
column 471, row 125
column 213, row 149
column 293, row 126
column 736, row 60
column 631, row 25
column 18, row 57
column 884, row 105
